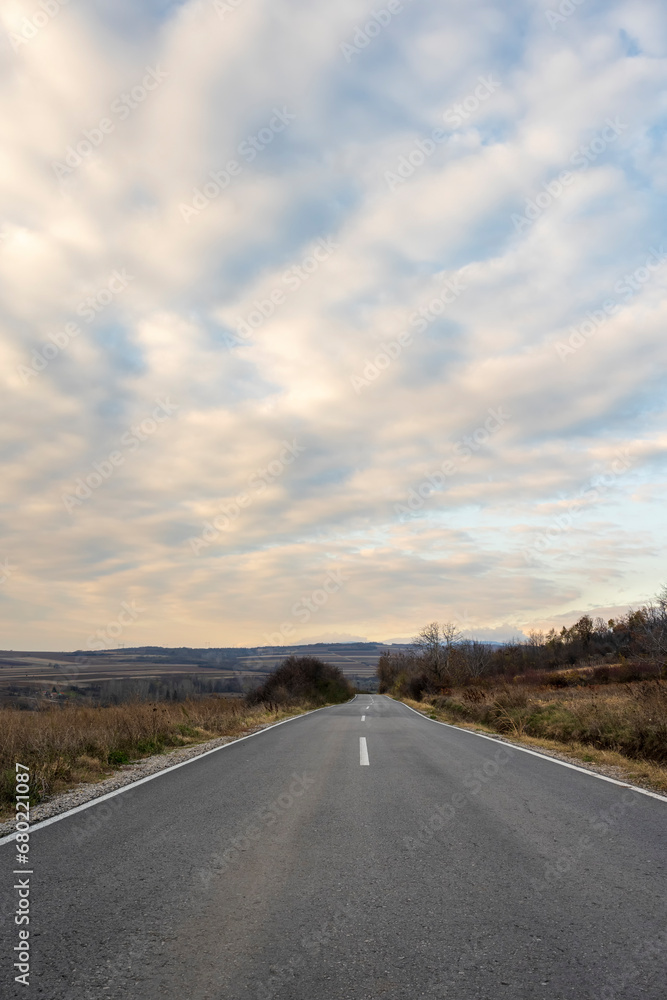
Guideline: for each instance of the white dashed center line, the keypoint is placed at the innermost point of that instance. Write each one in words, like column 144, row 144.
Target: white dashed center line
column 363, row 752
column 363, row 718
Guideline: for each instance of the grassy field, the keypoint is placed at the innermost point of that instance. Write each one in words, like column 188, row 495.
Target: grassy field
column 622, row 725
column 65, row 745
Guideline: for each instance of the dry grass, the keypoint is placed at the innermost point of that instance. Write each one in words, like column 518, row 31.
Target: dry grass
column 622, row 726
column 63, row 746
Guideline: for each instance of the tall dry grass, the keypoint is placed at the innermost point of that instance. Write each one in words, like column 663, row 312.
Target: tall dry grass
column 630, row 719
column 64, row 745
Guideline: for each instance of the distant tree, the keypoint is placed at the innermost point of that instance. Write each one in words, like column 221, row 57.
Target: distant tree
column 437, row 643
column 651, row 629
column 584, row 629
column 429, row 642
column 386, row 672
column 475, row 659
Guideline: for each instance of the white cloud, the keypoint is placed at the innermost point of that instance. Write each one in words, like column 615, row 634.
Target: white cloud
column 168, row 335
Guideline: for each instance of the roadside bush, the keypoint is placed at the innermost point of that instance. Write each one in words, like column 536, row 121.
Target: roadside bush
column 416, row 687
column 303, row 678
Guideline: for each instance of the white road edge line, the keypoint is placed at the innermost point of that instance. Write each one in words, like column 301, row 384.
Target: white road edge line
column 158, row 774
column 363, row 752
column 535, row 753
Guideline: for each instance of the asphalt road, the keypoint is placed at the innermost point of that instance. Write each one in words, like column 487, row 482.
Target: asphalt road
column 302, row 863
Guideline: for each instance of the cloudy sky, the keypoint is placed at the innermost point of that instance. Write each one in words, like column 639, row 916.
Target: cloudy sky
column 328, row 320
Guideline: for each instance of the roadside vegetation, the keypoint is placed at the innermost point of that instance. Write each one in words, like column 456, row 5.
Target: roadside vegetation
column 597, row 690
column 303, row 678
column 63, row 745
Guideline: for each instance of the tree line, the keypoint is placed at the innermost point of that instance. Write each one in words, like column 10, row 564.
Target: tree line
column 441, row 658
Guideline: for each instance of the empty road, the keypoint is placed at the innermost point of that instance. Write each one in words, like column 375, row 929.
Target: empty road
column 361, row 851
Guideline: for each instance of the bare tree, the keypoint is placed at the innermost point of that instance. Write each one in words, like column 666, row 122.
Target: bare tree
column 437, row 643
column 653, row 628
column 475, row 658
column 450, row 633
column 428, row 640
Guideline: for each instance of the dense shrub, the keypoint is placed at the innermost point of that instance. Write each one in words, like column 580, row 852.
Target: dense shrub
column 303, row 678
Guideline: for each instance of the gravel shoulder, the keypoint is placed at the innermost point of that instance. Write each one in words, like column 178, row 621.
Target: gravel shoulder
column 125, row 775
